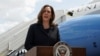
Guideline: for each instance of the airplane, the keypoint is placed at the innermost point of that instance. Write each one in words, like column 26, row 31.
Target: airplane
column 82, row 31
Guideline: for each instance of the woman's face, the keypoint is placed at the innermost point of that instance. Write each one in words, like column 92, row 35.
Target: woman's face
column 46, row 14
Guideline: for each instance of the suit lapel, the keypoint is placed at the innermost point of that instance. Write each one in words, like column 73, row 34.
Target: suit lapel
column 42, row 30
column 48, row 35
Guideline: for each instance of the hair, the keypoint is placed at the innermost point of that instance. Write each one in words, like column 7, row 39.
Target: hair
column 41, row 12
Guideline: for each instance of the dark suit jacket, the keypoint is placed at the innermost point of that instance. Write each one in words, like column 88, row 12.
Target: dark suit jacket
column 37, row 36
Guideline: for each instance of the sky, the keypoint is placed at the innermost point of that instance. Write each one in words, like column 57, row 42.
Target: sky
column 13, row 12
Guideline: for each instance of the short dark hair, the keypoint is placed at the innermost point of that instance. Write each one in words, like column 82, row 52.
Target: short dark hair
column 41, row 12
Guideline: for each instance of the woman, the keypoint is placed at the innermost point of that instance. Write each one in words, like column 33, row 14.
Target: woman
column 44, row 32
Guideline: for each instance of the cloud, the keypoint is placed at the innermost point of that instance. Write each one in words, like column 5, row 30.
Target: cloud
column 15, row 11
column 58, row 1
column 6, row 26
